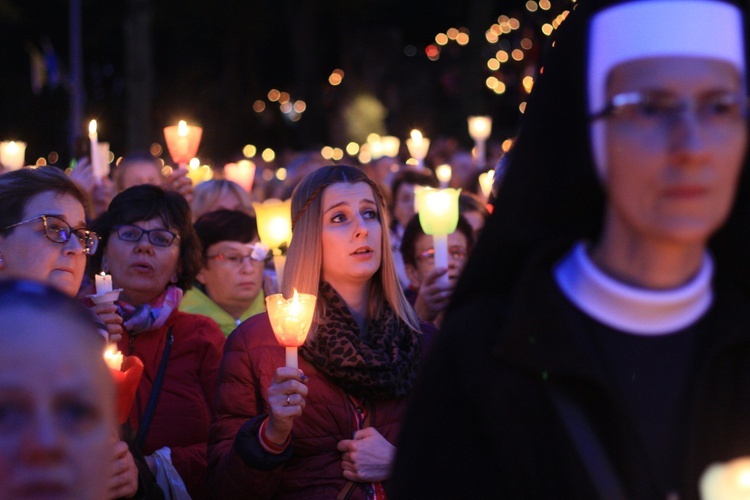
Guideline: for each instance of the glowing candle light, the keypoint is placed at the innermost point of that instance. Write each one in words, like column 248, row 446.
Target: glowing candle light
column 418, row 146
column 726, row 481
column 96, row 159
column 274, row 219
column 242, row 172
column 183, row 141
column 12, row 154
column 291, row 320
column 438, row 216
column 443, row 173
column 103, row 283
column 486, row 180
column 113, row 357
column 480, row 128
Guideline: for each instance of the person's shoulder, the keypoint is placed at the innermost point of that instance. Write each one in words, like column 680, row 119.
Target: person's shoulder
column 198, row 325
column 254, row 332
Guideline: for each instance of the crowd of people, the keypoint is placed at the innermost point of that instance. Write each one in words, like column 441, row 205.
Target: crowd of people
column 589, row 337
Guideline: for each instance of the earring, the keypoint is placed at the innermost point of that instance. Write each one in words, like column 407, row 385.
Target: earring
column 173, row 279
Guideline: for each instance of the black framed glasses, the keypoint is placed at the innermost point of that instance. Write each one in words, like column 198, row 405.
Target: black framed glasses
column 59, row 231
column 157, row 237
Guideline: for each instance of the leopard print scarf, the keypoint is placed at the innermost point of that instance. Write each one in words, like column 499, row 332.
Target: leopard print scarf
column 382, row 365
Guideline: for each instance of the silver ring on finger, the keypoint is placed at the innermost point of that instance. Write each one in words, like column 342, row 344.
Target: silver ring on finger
column 288, row 399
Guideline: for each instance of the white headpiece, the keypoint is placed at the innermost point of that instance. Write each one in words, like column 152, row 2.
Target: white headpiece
column 656, row 28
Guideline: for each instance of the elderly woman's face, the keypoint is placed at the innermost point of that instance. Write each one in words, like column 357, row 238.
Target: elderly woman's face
column 142, row 268
column 57, row 424
column 26, row 253
column 673, row 161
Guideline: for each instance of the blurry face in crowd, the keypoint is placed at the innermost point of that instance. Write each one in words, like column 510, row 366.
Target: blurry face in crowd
column 231, row 278
column 352, row 234
column 27, row 253
column 141, row 268
column 57, row 423
column 403, row 205
column 673, row 168
column 141, row 172
column 425, row 258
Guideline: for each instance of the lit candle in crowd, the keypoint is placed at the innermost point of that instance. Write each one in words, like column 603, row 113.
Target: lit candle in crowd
column 113, row 357
column 103, row 283
column 12, row 154
column 443, row 173
column 96, row 165
column 438, row 216
column 418, row 146
column 726, row 481
column 291, row 320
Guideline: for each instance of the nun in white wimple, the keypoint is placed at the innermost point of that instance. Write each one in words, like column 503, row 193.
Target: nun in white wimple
column 598, row 344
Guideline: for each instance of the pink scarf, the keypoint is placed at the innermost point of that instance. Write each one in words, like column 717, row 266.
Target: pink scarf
column 151, row 315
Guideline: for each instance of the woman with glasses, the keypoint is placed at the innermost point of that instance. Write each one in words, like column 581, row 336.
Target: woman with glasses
column 44, row 238
column 328, row 428
column 608, row 298
column 149, row 246
column 229, row 286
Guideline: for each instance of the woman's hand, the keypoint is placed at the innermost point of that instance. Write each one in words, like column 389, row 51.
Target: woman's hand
column 286, row 400
column 123, row 483
column 83, row 176
column 107, row 312
column 434, row 295
column 368, row 457
column 180, row 182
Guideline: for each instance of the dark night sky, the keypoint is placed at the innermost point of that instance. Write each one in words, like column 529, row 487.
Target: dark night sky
column 213, row 59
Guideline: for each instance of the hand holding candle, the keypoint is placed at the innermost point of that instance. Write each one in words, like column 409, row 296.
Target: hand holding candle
column 290, row 320
column 438, row 216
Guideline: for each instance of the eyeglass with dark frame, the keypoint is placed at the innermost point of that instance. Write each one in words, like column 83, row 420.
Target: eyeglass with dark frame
column 157, row 237
column 59, row 231
column 457, row 253
column 236, row 260
column 664, row 108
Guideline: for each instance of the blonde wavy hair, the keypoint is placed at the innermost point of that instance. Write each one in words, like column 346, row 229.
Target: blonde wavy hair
column 304, row 260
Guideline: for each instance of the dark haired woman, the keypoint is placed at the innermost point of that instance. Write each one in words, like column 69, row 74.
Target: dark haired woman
column 150, row 248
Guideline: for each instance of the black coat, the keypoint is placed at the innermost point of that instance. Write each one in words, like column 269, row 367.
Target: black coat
column 482, row 424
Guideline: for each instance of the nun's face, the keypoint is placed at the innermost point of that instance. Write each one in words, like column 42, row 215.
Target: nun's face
column 674, row 146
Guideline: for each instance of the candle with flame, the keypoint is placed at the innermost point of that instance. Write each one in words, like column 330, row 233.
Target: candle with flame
column 12, row 154
column 480, row 128
column 182, row 141
column 418, row 146
column 198, row 173
column 127, row 375
column 486, row 179
column 113, row 357
column 291, row 320
column 438, row 216
column 443, row 173
column 726, row 481
column 242, row 172
column 96, row 160
column 274, row 220
column 103, row 283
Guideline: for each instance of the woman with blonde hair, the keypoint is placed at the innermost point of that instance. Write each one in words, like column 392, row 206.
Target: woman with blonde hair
column 327, row 428
column 217, row 194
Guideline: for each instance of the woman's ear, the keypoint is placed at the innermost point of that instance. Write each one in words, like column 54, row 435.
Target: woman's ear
column 201, row 277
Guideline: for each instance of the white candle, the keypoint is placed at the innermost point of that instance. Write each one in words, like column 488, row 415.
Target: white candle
column 96, row 165
column 103, row 283
column 443, row 173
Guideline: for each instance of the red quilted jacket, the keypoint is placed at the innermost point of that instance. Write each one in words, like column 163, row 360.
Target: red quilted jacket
column 183, row 413
column 311, row 467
